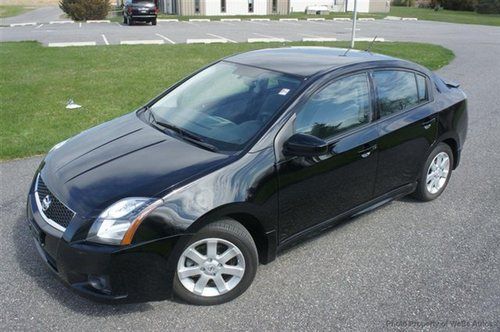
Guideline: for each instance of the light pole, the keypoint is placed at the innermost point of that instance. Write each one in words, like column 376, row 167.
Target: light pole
column 354, row 17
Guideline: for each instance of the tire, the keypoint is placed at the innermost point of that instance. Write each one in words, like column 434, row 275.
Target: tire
column 425, row 191
column 153, row 21
column 226, row 234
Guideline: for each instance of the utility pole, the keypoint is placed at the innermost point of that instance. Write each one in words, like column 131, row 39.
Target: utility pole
column 354, row 18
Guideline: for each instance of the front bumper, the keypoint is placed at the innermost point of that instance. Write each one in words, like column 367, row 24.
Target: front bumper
column 142, row 272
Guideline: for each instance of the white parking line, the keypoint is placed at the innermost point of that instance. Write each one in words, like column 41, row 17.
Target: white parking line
column 230, row 19
column 217, row 36
column 105, row 39
column 72, row 44
column 167, row 39
column 199, row 20
column 98, row 21
column 61, row 22
column 168, row 20
column 80, row 24
column 142, row 42
column 318, row 39
column 270, row 37
column 206, row 41
column 369, row 39
column 38, row 27
column 22, row 24
column 266, row 40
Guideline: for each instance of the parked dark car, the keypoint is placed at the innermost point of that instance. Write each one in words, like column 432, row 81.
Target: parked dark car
column 189, row 193
column 140, row 11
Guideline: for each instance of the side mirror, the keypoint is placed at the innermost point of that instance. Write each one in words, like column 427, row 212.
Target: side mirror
column 303, row 145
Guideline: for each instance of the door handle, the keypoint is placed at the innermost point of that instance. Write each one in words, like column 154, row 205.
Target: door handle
column 365, row 153
column 428, row 124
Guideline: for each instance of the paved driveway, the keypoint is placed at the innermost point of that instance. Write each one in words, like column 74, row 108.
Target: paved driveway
column 433, row 263
column 42, row 14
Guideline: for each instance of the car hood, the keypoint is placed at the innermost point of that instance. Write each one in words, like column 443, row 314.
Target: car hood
column 122, row 158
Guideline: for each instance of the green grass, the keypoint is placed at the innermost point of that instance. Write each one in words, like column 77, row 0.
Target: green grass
column 8, row 11
column 451, row 16
column 37, row 81
column 420, row 13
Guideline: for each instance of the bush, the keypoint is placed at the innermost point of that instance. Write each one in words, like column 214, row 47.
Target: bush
column 81, row 10
column 488, row 7
column 459, row 4
column 403, row 3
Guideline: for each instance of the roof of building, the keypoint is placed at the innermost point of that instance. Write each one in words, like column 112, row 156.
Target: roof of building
column 304, row 61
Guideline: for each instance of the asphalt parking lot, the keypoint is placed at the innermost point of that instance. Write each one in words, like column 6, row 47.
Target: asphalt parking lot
column 429, row 265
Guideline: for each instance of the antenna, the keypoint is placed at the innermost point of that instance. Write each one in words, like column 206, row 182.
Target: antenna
column 347, row 51
column 370, row 46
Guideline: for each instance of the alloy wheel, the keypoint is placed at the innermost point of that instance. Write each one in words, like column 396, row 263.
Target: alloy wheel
column 211, row 267
column 438, row 171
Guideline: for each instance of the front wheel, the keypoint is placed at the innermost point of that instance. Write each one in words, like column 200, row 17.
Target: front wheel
column 436, row 173
column 217, row 265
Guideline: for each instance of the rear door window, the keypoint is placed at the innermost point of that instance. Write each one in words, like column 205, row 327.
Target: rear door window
column 398, row 91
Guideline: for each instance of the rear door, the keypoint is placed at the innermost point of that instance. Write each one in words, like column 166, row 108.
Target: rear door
column 407, row 125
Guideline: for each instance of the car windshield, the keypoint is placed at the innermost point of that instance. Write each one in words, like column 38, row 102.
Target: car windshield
column 226, row 104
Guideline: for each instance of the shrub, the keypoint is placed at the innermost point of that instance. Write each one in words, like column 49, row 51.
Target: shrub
column 488, row 7
column 459, row 4
column 403, row 3
column 80, row 10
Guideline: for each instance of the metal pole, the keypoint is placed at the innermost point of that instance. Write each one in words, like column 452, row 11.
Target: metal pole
column 354, row 18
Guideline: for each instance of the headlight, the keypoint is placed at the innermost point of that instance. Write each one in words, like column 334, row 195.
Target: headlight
column 58, row 145
column 118, row 223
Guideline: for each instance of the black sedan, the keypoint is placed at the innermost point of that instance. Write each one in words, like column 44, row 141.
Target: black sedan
column 188, row 194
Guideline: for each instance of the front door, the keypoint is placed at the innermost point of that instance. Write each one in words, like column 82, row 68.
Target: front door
column 316, row 189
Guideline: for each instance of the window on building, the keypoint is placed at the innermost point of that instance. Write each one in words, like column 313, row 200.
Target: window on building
column 197, row 6
column 275, row 6
column 222, row 6
column 250, row 6
column 397, row 91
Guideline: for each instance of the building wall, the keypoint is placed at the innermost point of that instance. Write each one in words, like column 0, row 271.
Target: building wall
column 281, row 8
column 380, row 6
column 363, row 6
column 301, row 5
column 236, row 7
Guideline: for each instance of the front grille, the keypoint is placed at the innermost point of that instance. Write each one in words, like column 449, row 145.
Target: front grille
column 56, row 211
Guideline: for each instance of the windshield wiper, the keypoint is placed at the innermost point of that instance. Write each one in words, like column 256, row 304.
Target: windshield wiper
column 187, row 135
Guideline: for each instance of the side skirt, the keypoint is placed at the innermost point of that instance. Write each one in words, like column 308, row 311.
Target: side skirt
column 361, row 209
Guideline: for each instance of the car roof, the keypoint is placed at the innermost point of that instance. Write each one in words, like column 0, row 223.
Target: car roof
column 306, row 61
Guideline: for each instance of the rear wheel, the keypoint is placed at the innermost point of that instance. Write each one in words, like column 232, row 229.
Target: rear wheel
column 435, row 174
column 217, row 265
